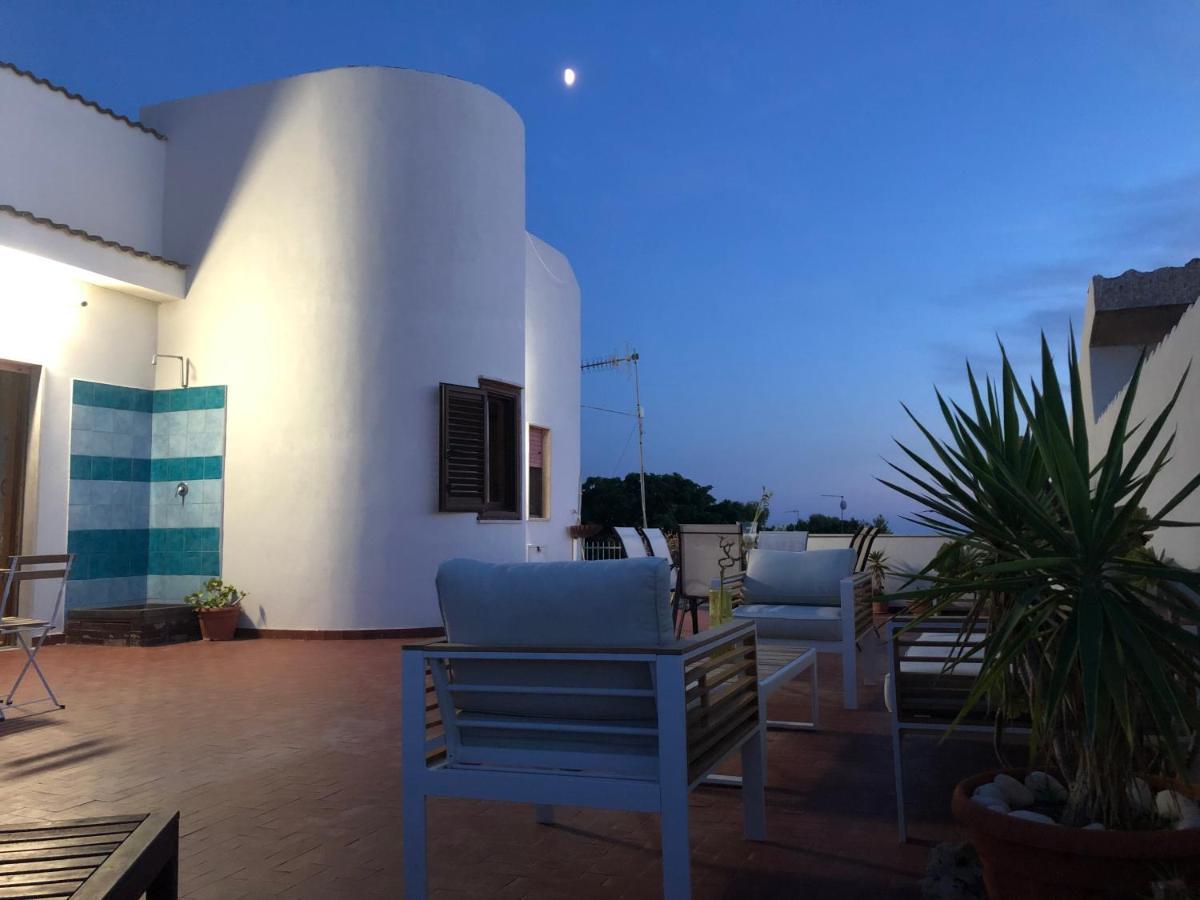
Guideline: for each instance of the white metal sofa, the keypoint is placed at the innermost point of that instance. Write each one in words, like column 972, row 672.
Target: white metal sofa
column 932, row 673
column 814, row 597
column 562, row 684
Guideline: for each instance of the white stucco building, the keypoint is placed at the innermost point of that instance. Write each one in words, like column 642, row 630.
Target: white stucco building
column 383, row 365
column 1154, row 313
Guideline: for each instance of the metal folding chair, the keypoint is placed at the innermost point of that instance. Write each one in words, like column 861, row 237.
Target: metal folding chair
column 31, row 633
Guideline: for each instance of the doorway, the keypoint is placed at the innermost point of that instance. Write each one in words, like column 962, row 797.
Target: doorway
column 15, row 391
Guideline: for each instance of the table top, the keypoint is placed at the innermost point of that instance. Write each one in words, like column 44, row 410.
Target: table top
column 774, row 655
column 80, row 857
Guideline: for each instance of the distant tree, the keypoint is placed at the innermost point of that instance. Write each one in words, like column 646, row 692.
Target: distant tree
column 670, row 499
column 820, row 523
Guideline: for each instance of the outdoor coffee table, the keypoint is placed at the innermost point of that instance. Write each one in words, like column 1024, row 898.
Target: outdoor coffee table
column 781, row 661
column 110, row 858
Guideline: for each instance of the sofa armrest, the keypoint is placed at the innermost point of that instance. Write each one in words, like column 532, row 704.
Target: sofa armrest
column 689, row 646
column 855, row 596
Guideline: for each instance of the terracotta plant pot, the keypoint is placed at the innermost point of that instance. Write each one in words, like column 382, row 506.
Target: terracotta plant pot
column 1033, row 861
column 880, row 608
column 219, row 624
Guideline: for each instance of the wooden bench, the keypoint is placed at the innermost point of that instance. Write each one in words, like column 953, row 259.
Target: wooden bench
column 109, row 858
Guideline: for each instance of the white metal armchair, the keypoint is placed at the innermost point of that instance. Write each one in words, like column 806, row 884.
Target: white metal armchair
column 814, row 597
column 562, row 684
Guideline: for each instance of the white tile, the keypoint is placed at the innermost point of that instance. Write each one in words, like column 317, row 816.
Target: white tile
column 177, row 445
column 119, row 493
column 171, row 422
column 83, row 442
column 142, row 426
column 214, row 420
column 102, row 492
column 102, row 419
column 204, row 443
column 172, row 516
column 158, row 445
column 122, row 445
column 162, row 493
column 82, row 417
column 139, row 493
column 101, row 442
column 210, row 490
column 153, row 587
column 80, row 492
column 195, row 420
column 122, row 421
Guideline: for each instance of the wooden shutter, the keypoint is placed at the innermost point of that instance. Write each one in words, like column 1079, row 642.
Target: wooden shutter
column 464, row 449
column 537, row 447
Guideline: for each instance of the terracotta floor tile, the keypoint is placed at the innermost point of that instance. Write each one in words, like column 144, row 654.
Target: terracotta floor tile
column 283, row 758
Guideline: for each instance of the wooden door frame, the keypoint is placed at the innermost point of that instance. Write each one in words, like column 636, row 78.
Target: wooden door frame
column 24, row 422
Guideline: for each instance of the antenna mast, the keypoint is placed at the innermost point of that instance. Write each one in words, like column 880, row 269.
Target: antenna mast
column 613, row 362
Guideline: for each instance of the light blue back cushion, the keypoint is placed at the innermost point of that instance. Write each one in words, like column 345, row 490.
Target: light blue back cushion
column 810, row 578
column 611, row 603
column 614, row 603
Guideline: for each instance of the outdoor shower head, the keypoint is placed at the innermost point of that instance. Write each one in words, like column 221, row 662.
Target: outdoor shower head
column 183, row 365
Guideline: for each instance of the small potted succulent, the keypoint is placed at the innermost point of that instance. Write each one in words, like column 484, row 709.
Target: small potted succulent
column 877, row 565
column 219, row 608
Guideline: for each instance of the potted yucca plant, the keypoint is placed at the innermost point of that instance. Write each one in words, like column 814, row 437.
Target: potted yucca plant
column 218, row 606
column 1086, row 635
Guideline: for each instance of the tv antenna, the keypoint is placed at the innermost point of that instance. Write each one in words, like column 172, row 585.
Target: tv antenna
column 841, row 505
column 615, row 362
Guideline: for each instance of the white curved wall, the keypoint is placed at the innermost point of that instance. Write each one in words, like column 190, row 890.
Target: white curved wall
column 552, row 393
column 357, row 237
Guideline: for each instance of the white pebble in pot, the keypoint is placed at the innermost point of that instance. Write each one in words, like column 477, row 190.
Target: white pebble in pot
column 1174, row 805
column 1015, row 793
column 1046, row 787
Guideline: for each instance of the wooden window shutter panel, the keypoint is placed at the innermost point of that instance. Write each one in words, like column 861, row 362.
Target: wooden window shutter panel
column 537, row 443
column 463, row 471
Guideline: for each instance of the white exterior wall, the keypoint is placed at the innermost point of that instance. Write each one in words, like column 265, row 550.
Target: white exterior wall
column 357, row 237
column 65, row 161
column 45, row 325
column 552, row 395
column 1160, row 376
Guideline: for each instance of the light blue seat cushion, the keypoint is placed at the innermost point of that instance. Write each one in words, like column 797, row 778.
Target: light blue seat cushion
column 808, row 578
column 793, row 621
column 594, row 605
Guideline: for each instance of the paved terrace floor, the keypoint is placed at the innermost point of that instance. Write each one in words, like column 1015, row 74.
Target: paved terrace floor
column 284, row 760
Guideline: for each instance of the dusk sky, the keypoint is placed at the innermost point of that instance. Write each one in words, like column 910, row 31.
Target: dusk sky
column 799, row 214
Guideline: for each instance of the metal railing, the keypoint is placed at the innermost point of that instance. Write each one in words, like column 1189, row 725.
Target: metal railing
column 603, row 547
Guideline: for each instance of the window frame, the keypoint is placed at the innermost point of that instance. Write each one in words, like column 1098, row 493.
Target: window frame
column 485, row 507
column 545, row 470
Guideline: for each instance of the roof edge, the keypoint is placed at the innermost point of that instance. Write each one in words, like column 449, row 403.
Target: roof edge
column 79, row 98
column 88, row 236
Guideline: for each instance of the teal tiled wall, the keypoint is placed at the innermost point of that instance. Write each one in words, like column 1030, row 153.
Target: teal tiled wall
column 134, row 540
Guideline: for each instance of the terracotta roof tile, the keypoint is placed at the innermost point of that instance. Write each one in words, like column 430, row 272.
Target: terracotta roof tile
column 87, row 236
column 79, row 98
